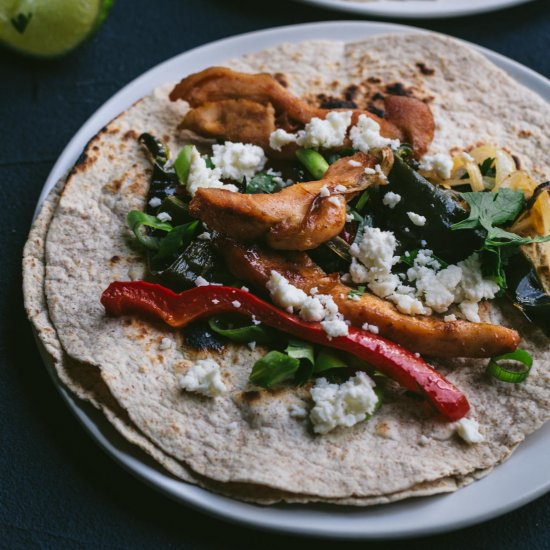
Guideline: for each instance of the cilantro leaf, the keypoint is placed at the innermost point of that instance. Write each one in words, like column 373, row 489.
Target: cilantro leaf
column 262, row 183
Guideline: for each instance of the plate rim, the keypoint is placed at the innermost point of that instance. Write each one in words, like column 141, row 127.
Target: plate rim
column 154, row 476
column 411, row 10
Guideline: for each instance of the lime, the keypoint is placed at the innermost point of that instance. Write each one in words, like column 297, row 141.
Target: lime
column 48, row 28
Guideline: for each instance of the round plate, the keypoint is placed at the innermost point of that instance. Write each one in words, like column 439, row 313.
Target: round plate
column 416, row 9
column 516, row 482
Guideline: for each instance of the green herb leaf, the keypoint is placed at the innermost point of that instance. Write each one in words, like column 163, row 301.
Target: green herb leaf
column 273, row 368
column 177, row 239
column 356, row 292
column 242, row 334
column 300, row 350
column 262, row 183
column 313, row 161
column 512, row 376
column 409, row 259
column 328, row 360
column 139, row 222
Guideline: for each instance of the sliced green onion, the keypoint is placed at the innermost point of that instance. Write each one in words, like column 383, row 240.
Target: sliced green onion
column 300, row 350
column 327, row 360
column 273, row 368
column 177, row 239
column 242, row 335
column 314, row 162
column 138, row 222
column 182, row 164
column 512, row 376
column 362, row 200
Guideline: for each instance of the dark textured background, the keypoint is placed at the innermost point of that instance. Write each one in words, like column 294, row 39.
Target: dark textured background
column 57, row 488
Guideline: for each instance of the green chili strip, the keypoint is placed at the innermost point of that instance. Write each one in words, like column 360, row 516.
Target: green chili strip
column 512, row 376
column 177, row 239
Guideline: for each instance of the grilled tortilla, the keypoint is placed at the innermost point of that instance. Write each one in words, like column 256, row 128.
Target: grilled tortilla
column 247, row 436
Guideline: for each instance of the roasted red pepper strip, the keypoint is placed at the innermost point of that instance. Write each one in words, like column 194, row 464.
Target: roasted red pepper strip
column 177, row 310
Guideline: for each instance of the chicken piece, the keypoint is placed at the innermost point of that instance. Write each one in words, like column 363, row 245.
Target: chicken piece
column 426, row 335
column 299, row 217
column 239, row 120
column 407, row 119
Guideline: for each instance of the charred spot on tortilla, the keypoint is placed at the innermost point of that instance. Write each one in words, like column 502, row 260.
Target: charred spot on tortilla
column 397, row 88
column 424, row 69
column 200, row 337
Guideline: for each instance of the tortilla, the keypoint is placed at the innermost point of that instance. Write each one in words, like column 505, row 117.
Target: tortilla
column 250, row 438
column 85, row 382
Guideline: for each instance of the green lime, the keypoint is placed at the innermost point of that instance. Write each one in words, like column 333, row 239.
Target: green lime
column 48, row 28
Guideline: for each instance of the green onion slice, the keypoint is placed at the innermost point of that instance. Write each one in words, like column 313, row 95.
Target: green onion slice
column 243, row 334
column 273, row 368
column 362, row 200
column 182, row 164
column 512, row 376
column 314, row 162
column 138, row 222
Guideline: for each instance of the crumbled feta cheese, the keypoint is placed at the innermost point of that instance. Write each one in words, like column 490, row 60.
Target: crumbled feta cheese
column 349, row 218
column 283, row 293
column 324, row 191
column 206, row 236
column 155, row 202
column 470, row 311
column 238, row 160
column 391, row 199
column 252, row 345
column 215, row 301
column 164, row 217
column 279, row 138
column 354, row 163
column 354, row 297
column 381, row 176
column 202, row 176
column 327, row 133
column 439, row 163
column 423, row 440
column 335, row 200
column 297, row 411
column 312, row 309
column 342, row 405
column 423, row 243
column 449, row 318
column 255, row 321
column 475, row 288
column 314, row 290
column 340, row 188
column 201, row 281
column 203, row 377
column 335, row 328
column 165, row 344
column 468, row 430
column 245, row 288
column 369, row 171
column 370, row 328
column 365, row 135
column 417, row 219
column 236, row 303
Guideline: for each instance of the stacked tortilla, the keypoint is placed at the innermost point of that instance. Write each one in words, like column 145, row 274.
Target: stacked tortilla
column 245, row 443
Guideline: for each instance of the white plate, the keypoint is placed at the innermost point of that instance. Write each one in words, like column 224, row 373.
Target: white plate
column 516, row 482
column 415, row 9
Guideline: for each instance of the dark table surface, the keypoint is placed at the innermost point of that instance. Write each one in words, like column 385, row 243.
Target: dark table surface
column 57, row 488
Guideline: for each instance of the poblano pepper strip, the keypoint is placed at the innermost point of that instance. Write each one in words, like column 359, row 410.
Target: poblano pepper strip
column 138, row 222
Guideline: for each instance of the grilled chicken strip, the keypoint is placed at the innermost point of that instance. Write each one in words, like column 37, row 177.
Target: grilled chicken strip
column 299, row 217
column 426, row 335
column 214, row 96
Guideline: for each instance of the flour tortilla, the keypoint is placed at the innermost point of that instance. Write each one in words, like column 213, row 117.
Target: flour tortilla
column 239, row 439
column 85, row 382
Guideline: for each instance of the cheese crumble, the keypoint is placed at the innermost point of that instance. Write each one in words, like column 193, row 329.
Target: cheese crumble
column 203, row 377
column 342, row 405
